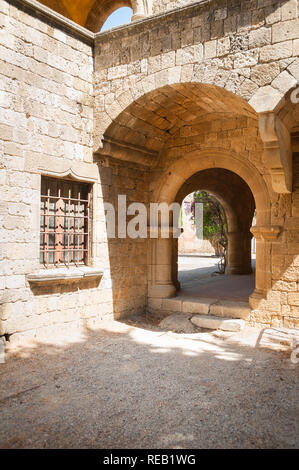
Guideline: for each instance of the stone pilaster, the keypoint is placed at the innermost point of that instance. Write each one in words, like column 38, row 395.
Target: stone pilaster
column 265, row 235
column 161, row 283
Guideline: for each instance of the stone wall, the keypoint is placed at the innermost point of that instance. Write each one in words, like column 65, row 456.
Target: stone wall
column 46, row 125
column 251, row 51
column 127, row 258
column 168, row 66
column 132, row 112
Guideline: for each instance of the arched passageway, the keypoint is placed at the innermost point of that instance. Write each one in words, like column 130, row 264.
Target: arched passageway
column 238, row 205
column 173, row 139
column 240, row 188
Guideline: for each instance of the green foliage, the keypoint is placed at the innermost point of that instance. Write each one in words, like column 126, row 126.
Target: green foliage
column 214, row 221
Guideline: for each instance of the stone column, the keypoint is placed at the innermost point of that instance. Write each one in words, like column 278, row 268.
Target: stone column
column 138, row 10
column 265, row 236
column 239, row 253
column 161, row 266
column 175, row 280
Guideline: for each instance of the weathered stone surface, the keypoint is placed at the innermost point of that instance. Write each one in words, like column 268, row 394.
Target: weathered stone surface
column 260, row 37
column 178, row 323
column 217, row 323
column 284, row 82
column 230, row 309
column 285, row 30
column 172, row 305
column 266, row 99
column 264, row 74
column 197, row 305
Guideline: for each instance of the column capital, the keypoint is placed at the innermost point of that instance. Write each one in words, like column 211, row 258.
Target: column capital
column 266, row 232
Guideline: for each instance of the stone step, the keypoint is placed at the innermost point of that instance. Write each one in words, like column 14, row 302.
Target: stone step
column 204, row 306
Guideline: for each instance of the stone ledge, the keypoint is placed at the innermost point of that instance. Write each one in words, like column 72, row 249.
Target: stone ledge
column 202, row 305
column 63, row 274
column 154, row 18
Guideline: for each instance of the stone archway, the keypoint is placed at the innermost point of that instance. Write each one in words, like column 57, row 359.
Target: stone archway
column 167, row 189
column 170, row 134
column 238, row 204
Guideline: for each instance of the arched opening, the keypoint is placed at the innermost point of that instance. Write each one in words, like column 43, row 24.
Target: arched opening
column 171, row 138
column 228, row 209
column 119, row 17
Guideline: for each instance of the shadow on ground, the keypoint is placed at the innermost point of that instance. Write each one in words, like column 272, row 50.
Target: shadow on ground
column 127, row 386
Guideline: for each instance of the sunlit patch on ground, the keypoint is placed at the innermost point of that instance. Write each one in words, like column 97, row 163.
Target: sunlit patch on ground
column 134, row 385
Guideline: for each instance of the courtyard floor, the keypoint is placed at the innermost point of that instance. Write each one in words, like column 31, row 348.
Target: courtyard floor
column 199, row 278
column 133, row 385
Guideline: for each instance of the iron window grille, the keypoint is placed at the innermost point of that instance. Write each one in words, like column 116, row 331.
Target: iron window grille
column 64, row 222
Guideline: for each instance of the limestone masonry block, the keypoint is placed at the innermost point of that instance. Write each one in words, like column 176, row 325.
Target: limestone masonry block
column 217, row 323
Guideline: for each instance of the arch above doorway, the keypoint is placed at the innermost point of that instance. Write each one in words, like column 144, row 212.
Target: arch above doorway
column 166, row 189
column 172, row 179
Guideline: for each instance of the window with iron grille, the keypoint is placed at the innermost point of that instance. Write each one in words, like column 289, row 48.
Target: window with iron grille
column 64, row 222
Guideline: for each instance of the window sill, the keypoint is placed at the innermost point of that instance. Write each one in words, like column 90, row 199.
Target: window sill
column 64, row 274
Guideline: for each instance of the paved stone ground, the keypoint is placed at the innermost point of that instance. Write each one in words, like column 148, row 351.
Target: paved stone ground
column 198, row 279
column 135, row 386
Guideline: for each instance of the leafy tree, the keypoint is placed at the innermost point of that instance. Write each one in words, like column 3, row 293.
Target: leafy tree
column 214, row 221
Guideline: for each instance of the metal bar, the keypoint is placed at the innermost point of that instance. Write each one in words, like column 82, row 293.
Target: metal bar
column 67, row 231
column 77, row 216
column 57, row 259
column 62, row 250
column 47, row 225
column 88, row 229
column 65, row 198
column 74, row 219
column 68, row 237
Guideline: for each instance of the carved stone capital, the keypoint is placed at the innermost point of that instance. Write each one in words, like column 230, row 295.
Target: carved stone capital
column 277, row 151
column 124, row 151
column 266, row 232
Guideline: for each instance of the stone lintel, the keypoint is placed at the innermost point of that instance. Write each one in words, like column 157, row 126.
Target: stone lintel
column 79, row 171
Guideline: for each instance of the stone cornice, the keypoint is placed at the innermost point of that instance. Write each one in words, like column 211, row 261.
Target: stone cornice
column 125, row 151
column 41, row 11
column 192, row 9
